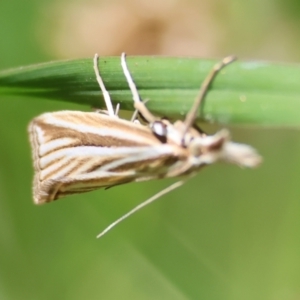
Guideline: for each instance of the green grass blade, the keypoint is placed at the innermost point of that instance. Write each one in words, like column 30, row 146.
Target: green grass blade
column 256, row 93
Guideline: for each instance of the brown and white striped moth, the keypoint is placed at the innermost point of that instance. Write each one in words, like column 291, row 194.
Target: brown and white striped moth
column 76, row 152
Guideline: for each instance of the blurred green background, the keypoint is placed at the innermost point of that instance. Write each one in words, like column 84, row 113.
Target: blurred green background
column 227, row 234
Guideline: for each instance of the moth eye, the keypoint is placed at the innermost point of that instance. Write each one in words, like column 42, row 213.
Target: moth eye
column 159, row 129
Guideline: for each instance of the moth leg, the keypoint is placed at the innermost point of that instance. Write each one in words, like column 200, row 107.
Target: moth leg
column 142, row 205
column 134, row 116
column 192, row 114
column 99, row 111
column 138, row 104
column 200, row 130
column 137, row 112
column 104, row 91
column 117, row 110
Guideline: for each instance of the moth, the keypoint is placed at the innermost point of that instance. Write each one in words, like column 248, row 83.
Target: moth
column 76, row 152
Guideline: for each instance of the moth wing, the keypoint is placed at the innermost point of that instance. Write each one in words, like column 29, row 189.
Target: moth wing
column 76, row 152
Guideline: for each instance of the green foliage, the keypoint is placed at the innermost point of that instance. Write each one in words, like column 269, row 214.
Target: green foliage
column 256, row 93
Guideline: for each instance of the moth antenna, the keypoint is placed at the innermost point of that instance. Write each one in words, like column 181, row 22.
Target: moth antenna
column 138, row 104
column 142, row 205
column 192, row 114
column 104, row 91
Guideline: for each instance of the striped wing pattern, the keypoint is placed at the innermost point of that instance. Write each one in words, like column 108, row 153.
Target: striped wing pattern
column 76, row 152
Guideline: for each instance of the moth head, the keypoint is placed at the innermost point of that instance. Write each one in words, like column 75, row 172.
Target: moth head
column 190, row 135
column 209, row 149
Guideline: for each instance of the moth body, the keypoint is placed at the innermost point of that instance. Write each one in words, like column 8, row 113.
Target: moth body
column 76, row 152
